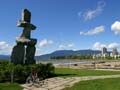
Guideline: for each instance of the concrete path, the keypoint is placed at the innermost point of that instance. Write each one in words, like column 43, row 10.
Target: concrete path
column 58, row 83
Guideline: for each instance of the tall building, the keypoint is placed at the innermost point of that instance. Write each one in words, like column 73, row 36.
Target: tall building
column 114, row 52
column 104, row 51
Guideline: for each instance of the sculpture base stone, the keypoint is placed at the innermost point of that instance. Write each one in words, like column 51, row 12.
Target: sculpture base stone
column 22, row 55
column 30, row 53
column 18, row 54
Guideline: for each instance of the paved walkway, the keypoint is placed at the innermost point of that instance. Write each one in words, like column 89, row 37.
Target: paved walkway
column 58, row 83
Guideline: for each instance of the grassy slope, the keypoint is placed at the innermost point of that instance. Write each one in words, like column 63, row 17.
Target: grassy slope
column 82, row 72
column 103, row 84
column 9, row 86
column 74, row 72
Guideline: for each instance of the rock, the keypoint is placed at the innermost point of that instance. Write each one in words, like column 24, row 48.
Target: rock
column 18, row 54
column 24, row 51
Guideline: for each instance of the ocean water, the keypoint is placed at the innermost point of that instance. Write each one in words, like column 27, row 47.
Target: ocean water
column 66, row 61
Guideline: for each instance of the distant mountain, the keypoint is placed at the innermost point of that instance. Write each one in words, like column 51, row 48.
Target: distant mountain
column 7, row 57
column 60, row 53
column 67, row 53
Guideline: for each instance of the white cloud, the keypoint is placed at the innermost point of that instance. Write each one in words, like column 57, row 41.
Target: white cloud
column 41, row 44
column 45, row 42
column 94, row 31
column 71, row 45
column 90, row 14
column 99, row 46
column 113, row 45
column 61, row 47
column 3, row 45
column 65, row 47
column 116, row 27
column 39, row 51
column 5, row 48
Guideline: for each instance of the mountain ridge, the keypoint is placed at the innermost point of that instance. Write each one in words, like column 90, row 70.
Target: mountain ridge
column 61, row 53
column 68, row 53
column 6, row 57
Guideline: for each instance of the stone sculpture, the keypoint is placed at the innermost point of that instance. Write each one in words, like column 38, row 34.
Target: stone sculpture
column 24, row 51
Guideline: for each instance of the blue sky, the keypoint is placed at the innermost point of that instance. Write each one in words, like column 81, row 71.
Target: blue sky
column 63, row 24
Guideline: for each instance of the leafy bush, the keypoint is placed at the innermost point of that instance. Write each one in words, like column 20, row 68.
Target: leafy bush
column 45, row 70
column 21, row 72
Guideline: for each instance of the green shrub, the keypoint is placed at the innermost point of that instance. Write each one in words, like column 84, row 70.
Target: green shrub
column 21, row 72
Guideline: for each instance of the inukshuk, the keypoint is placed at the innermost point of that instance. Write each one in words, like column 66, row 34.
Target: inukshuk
column 24, row 50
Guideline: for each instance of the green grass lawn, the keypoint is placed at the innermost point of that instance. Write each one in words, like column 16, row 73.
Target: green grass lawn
column 82, row 72
column 99, row 84
column 9, row 86
column 76, row 72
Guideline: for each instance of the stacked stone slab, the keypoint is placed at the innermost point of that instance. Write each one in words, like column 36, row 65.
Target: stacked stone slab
column 24, row 50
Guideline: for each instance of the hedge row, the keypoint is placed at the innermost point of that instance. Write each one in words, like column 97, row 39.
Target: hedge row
column 21, row 72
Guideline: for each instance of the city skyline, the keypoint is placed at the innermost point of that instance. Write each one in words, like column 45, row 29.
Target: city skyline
column 63, row 24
